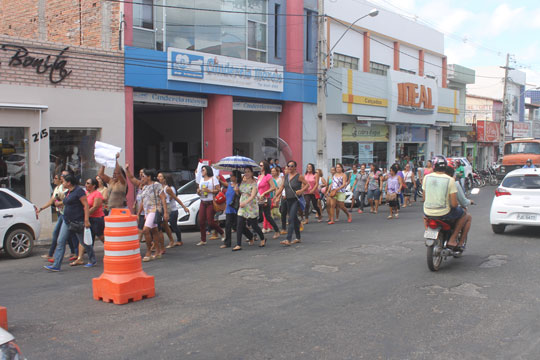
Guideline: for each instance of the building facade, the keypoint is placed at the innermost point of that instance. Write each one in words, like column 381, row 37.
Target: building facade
column 236, row 78
column 387, row 88
column 61, row 89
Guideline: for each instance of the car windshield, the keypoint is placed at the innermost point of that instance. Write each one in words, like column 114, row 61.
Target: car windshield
column 522, row 182
column 189, row 188
column 522, row 148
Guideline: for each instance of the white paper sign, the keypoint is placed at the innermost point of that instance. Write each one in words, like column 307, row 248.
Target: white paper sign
column 105, row 154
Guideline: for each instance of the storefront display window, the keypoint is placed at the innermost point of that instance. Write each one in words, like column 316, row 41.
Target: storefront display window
column 364, row 144
column 73, row 149
column 14, row 159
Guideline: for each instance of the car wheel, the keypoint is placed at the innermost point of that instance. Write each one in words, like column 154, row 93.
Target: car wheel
column 498, row 229
column 19, row 243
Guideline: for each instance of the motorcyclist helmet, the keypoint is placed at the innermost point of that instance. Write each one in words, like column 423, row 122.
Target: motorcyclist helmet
column 529, row 161
column 439, row 163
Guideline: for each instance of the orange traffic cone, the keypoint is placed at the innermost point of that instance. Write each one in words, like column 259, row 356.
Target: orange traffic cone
column 3, row 318
column 123, row 279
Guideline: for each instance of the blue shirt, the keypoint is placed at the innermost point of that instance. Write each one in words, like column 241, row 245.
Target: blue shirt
column 73, row 208
column 529, row 166
column 229, row 196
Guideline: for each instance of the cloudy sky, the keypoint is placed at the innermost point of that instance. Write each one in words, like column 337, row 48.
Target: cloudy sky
column 481, row 32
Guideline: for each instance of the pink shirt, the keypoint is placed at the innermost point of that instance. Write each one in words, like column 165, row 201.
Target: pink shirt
column 264, row 183
column 91, row 198
column 310, row 179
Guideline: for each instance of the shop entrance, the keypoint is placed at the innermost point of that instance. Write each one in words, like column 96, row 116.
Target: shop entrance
column 14, row 159
column 256, row 135
column 167, row 138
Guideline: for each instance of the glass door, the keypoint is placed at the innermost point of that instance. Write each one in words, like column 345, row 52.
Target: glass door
column 14, row 159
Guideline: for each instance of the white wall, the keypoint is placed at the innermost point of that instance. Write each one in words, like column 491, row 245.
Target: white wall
column 252, row 127
column 387, row 23
column 408, row 58
column 309, row 145
column 352, row 43
column 382, row 51
column 333, row 137
column 433, row 66
column 68, row 108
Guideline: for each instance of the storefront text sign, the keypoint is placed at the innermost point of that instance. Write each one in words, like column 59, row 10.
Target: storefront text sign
column 193, row 66
column 169, row 99
column 522, row 129
column 364, row 100
column 250, row 106
column 487, row 131
column 354, row 133
column 53, row 65
column 415, row 98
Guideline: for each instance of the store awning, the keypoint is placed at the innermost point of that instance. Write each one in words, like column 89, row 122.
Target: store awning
column 23, row 106
column 465, row 128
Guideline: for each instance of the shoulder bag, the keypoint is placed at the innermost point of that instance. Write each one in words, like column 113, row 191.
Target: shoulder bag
column 301, row 199
column 158, row 218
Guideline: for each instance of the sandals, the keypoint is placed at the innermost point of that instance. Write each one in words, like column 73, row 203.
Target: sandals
column 390, row 217
column 263, row 243
column 224, row 246
column 147, row 258
column 76, row 262
column 276, row 235
column 251, row 242
column 331, row 223
column 236, row 248
column 296, row 241
column 285, row 242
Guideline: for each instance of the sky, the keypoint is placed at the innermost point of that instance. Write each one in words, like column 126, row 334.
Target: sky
column 481, row 32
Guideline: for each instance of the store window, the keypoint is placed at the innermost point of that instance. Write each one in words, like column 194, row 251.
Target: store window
column 379, row 69
column 345, row 62
column 14, row 159
column 73, row 150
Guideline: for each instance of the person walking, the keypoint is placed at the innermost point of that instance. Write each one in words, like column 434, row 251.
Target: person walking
column 233, row 203
column 137, row 183
column 102, row 188
column 312, row 194
column 294, row 185
column 96, row 217
column 171, row 200
column 75, row 220
column 393, row 188
column 248, row 211
column 56, row 199
column 337, row 194
column 277, row 179
column 322, row 190
column 208, row 188
column 410, row 184
column 155, row 209
column 280, row 199
column 428, row 169
column 353, row 183
column 373, row 187
column 384, row 180
column 265, row 186
column 117, row 186
column 360, row 188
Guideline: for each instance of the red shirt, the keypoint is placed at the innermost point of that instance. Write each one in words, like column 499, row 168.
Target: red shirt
column 91, row 197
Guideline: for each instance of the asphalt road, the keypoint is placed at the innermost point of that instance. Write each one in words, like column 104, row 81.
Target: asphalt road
column 349, row 291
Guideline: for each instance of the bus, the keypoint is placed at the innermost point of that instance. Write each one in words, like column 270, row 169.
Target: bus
column 516, row 153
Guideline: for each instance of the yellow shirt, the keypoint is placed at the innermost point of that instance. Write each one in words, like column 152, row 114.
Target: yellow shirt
column 437, row 189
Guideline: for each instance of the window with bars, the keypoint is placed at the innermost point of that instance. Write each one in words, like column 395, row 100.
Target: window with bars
column 345, row 62
column 379, row 69
column 408, row 71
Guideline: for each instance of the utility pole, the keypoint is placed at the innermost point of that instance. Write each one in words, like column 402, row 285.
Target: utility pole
column 322, row 66
column 504, row 105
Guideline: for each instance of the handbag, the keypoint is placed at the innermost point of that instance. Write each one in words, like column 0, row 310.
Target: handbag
column 391, row 197
column 220, row 198
column 158, row 217
column 218, row 207
column 235, row 204
column 301, row 199
column 75, row 226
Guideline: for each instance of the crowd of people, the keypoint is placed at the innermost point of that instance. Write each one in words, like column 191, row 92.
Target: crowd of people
column 266, row 195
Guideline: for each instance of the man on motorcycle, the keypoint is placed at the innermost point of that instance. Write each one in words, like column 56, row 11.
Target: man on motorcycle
column 528, row 164
column 464, row 203
column 440, row 199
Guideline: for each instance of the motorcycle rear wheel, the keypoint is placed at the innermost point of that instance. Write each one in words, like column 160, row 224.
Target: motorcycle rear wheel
column 434, row 256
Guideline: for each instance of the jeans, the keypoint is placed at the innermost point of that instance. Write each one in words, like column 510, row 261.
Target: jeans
column 242, row 229
column 55, row 233
column 265, row 209
column 294, row 222
column 206, row 214
column 310, row 199
column 283, row 212
column 173, row 223
column 63, row 237
column 361, row 199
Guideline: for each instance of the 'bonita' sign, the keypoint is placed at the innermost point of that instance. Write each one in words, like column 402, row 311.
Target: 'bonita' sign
column 194, row 66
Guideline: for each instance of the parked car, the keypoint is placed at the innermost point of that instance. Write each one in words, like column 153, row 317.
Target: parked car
column 19, row 224
column 8, row 348
column 517, row 200
column 188, row 195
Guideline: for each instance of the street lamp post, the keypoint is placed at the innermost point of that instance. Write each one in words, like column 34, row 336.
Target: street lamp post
column 322, row 154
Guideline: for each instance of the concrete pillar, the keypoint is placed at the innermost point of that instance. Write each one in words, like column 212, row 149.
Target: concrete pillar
column 218, row 127
column 396, row 55
column 431, row 146
column 420, row 62
column 130, row 135
column 444, row 72
column 367, row 48
column 295, row 37
column 291, row 129
column 391, row 146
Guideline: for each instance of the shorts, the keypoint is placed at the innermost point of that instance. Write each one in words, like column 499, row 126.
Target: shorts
column 340, row 196
column 454, row 214
column 408, row 189
column 97, row 225
column 149, row 220
column 374, row 194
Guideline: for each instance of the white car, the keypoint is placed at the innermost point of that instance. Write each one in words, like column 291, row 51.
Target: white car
column 8, row 347
column 188, row 195
column 19, row 224
column 16, row 165
column 517, row 200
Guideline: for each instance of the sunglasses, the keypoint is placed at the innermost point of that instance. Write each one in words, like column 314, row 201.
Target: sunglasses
column 291, row 166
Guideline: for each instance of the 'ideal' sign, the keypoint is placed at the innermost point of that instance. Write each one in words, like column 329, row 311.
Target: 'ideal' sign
column 415, row 98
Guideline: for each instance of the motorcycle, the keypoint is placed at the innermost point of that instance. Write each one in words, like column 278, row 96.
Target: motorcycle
column 437, row 234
